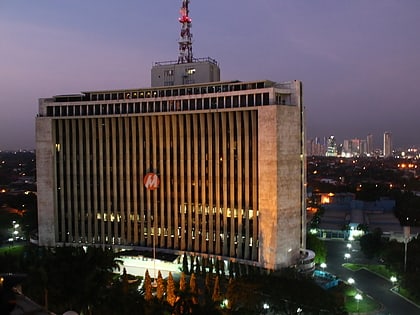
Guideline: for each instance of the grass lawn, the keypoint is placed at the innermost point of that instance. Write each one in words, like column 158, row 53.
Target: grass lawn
column 380, row 270
column 15, row 249
column 365, row 305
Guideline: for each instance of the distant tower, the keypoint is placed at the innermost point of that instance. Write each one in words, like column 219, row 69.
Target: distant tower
column 387, row 144
column 185, row 41
column 369, row 141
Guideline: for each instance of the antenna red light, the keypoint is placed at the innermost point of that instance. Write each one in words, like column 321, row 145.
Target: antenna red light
column 185, row 41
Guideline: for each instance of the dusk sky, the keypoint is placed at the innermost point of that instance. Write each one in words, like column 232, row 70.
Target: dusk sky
column 359, row 60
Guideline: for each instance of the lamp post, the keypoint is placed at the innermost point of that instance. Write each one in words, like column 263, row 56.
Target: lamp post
column 323, row 266
column 347, row 256
column 350, row 281
column 394, row 281
column 358, row 298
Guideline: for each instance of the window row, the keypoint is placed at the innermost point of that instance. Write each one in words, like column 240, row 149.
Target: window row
column 221, row 102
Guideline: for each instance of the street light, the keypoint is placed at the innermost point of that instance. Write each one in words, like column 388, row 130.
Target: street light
column 394, row 281
column 347, row 256
column 358, row 298
column 348, row 246
column 323, row 266
column 351, row 281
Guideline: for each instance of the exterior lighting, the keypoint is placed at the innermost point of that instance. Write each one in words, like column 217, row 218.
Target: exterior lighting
column 351, row 281
column 358, row 298
column 347, row 256
column 348, row 245
column 266, row 306
column 225, row 303
column 393, row 279
column 323, row 266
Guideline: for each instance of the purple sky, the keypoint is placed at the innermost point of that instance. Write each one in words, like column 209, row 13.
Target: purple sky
column 359, row 60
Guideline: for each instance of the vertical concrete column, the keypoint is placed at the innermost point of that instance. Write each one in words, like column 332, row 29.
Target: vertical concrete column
column 246, row 147
column 224, row 126
column 198, row 228
column 68, row 178
column 82, row 180
column 232, row 206
column 88, row 159
column 136, row 178
column 188, row 175
column 162, row 173
column 209, row 181
column 94, row 123
column 181, row 178
column 203, row 183
column 61, row 230
column 175, row 188
column 239, row 207
column 217, row 182
column 168, row 184
column 45, row 181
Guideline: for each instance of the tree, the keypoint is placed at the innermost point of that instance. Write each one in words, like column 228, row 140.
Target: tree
column 371, row 244
column 197, row 265
column 216, row 290
column 170, row 290
column 193, row 289
column 147, row 287
column 160, row 289
column 318, row 246
column 182, row 283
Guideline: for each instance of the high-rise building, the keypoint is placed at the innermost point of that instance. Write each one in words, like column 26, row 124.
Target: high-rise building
column 387, row 144
column 369, row 145
column 214, row 169
column 331, row 146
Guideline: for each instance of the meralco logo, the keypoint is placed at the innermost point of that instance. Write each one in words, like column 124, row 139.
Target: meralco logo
column 151, row 181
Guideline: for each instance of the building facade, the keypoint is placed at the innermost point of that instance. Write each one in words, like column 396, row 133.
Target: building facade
column 387, row 144
column 214, row 169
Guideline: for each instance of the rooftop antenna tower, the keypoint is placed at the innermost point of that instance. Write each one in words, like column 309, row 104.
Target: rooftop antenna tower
column 185, row 41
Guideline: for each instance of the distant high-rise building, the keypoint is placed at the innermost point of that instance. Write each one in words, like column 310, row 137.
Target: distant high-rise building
column 315, row 147
column 387, row 144
column 331, row 146
column 214, row 169
column 369, row 144
column 363, row 147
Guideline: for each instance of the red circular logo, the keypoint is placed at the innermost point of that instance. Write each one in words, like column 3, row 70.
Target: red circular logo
column 151, row 181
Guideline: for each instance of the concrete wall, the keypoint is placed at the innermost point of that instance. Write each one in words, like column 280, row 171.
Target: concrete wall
column 204, row 72
column 279, row 185
column 45, row 181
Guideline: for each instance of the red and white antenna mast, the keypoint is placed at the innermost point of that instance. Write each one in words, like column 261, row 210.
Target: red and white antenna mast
column 185, row 41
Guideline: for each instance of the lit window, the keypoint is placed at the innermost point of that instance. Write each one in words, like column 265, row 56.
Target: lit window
column 190, row 71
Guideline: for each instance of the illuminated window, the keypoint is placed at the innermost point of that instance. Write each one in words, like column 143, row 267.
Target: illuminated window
column 190, row 71
column 169, row 72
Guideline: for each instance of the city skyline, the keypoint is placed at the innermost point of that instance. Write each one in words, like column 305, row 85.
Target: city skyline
column 357, row 60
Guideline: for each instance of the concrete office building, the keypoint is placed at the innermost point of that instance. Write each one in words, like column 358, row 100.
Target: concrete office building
column 214, row 169
column 230, row 161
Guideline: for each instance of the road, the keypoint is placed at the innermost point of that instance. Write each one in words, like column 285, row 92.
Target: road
column 371, row 284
